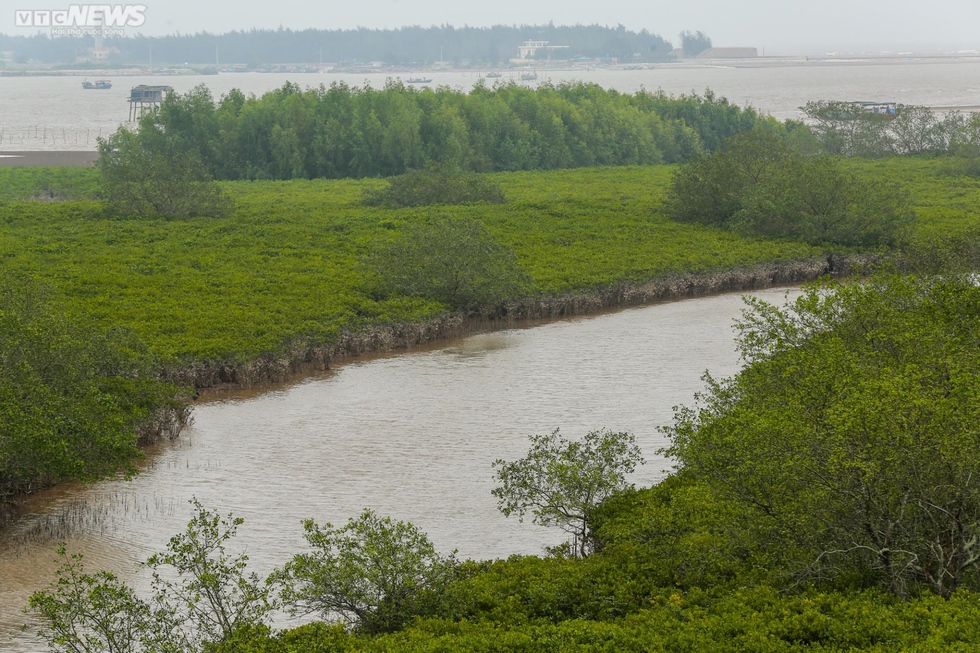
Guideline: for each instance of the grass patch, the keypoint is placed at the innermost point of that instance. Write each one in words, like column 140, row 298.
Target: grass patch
column 288, row 265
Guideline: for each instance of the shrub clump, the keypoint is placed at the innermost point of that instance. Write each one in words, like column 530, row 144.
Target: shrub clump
column 759, row 186
column 453, row 260
column 435, row 184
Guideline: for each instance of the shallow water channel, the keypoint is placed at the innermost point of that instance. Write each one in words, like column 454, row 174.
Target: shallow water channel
column 411, row 434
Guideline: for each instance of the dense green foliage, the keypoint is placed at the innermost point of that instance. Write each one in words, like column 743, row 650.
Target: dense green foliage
column 344, row 131
column 144, row 173
column 850, row 129
column 452, row 260
column 288, row 265
column 202, row 595
column 414, row 44
column 648, row 588
column 759, row 185
column 562, row 482
column 850, row 431
column 374, row 574
column 753, row 620
column 74, row 399
column 435, row 184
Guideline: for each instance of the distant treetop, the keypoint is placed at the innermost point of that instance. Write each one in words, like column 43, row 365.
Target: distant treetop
column 407, row 45
column 694, row 44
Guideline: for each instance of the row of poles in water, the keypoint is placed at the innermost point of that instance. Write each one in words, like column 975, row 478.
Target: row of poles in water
column 52, row 135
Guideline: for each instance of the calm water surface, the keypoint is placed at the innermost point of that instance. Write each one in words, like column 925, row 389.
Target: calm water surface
column 411, row 435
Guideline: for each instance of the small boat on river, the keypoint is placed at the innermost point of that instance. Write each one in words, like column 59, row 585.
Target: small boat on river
column 99, row 84
column 418, row 80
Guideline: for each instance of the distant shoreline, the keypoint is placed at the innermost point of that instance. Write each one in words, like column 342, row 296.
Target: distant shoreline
column 773, row 61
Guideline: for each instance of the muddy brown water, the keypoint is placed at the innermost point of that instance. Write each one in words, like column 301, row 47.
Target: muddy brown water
column 412, row 435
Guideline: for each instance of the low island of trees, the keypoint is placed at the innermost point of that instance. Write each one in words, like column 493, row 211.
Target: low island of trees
column 342, row 131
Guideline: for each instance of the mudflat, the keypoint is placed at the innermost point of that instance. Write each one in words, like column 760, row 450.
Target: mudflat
column 48, row 159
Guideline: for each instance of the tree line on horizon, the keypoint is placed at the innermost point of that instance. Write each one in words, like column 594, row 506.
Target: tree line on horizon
column 491, row 46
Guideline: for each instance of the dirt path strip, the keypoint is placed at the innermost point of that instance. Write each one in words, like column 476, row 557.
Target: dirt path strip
column 47, row 159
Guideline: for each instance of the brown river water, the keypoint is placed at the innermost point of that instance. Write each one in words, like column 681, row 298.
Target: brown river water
column 412, row 435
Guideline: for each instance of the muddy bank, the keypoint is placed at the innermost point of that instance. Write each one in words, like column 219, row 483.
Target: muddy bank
column 303, row 357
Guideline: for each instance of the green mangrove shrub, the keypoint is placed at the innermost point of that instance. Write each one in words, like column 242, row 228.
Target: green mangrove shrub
column 147, row 173
column 562, row 482
column 75, row 400
column 374, row 574
column 435, row 184
column 202, row 595
column 758, row 185
column 850, row 431
column 451, row 259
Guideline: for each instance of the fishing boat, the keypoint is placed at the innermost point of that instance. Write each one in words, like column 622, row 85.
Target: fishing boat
column 99, row 84
column 494, row 75
column 529, row 77
column 418, row 80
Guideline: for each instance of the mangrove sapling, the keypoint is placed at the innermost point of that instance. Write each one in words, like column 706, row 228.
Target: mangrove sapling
column 374, row 574
column 561, row 482
column 212, row 592
column 202, row 595
column 90, row 613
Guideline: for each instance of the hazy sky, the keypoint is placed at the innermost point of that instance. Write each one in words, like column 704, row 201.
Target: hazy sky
column 780, row 26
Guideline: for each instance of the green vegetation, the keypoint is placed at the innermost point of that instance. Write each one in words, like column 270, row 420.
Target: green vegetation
column 452, row 260
column 289, row 265
column 848, row 434
column 374, row 574
column 75, row 399
column 145, row 174
column 758, row 185
column 435, row 184
column 563, row 482
column 344, row 131
column 849, row 129
column 202, row 596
